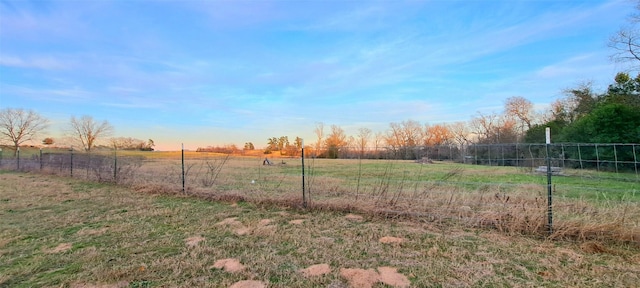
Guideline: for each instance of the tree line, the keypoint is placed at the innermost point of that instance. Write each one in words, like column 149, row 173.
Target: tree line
column 581, row 116
column 19, row 126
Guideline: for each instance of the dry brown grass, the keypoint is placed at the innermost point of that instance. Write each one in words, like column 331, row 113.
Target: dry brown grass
column 119, row 237
column 435, row 192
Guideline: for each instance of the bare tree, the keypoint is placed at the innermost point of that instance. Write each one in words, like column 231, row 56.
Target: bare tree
column 363, row 139
column 335, row 141
column 439, row 134
column 87, row 131
column 521, row 110
column 19, row 126
column 461, row 133
column 319, row 130
column 626, row 41
column 494, row 128
column 378, row 140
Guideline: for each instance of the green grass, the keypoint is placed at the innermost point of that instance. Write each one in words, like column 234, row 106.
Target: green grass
column 117, row 235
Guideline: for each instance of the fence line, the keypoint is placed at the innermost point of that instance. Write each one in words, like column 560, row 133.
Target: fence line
column 499, row 184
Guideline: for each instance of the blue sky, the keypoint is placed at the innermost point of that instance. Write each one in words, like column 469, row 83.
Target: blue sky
column 228, row 72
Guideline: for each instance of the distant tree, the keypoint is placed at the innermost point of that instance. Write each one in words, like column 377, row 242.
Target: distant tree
column 537, row 133
column 581, row 101
column 460, row 133
column 625, row 90
column 610, row 123
column 402, row 137
column 283, row 142
column 520, row 109
column 249, row 146
column 364, row 134
column 87, row 131
column 48, row 141
column 378, row 140
column 494, row 128
column 335, row 142
column 319, row 131
column 18, row 126
column 439, row 134
column 128, row 143
column 272, row 144
column 298, row 142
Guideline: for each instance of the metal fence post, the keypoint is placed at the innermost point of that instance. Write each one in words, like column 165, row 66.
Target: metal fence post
column 182, row 157
column 40, row 159
column 549, row 195
column 115, row 164
column 304, row 195
column 71, row 163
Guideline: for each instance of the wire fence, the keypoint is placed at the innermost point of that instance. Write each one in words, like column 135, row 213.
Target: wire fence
column 595, row 187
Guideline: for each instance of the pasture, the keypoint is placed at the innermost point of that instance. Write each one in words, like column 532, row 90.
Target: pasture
column 587, row 204
column 64, row 232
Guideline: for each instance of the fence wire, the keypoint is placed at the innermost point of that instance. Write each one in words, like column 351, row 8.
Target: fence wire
column 501, row 186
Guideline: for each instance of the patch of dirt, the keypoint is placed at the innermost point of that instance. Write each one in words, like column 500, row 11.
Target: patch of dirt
column 390, row 276
column 248, row 284
column 354, row 218
column 316, row 270
column 60, row 248
column 359, row 278
column 391, row 240
column 264, row 222
column 193, row 241
column 238, row 227
column 92, row 232
column 296, row 222
column 121, row 284
column 229, row 265
column 241, row 231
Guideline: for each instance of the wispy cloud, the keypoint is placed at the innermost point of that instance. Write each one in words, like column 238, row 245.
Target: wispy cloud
column 46, row 62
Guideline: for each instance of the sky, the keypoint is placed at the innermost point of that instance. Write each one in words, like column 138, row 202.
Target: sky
column 228, row 72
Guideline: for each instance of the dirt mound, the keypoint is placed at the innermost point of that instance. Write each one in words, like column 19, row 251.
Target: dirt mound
column 248, row 284
column 229, row 265
column 264, row 222
column 359, row 278
column 391, row 240
column 316, row 270
column 264, row 228
column 390, row 276
column 237, row 226
column 193, row 241
column 60, row 248
column 122, row 284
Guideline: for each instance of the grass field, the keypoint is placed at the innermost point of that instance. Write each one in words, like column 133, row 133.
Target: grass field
column 588, row 205
column 62, row 232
